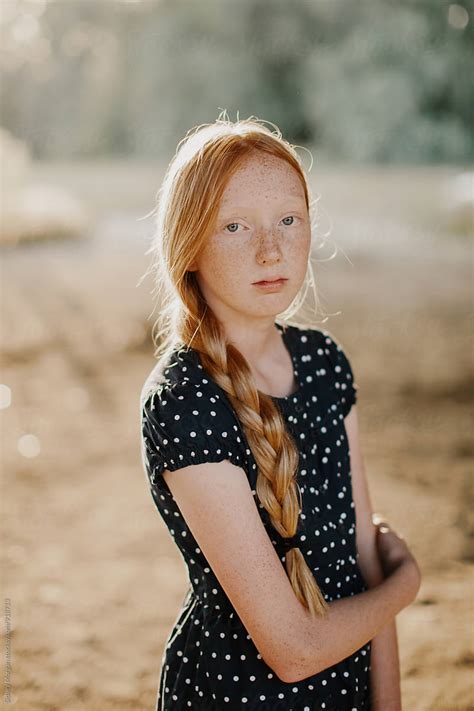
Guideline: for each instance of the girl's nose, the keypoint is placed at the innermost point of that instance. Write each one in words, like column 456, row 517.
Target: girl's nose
column 269, row 254
column 268, row 243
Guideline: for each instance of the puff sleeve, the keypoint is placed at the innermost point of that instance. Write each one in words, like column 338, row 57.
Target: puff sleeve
column 343, row 381
column 184, row 424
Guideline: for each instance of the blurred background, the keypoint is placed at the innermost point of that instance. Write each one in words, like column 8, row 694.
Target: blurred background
column 95, row 97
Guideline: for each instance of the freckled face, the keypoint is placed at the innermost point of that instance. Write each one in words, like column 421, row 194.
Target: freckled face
column 262, row 232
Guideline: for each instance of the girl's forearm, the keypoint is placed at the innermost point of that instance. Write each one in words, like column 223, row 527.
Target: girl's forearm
column 350, row 623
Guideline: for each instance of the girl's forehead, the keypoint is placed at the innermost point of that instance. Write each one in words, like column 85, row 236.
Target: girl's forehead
column 250, row 183
column 263, row 164
column 255, row 200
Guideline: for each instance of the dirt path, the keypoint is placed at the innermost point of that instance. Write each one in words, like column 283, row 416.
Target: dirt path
column 94, row 578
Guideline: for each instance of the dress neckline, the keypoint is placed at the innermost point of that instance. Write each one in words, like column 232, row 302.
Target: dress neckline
column 287, row 334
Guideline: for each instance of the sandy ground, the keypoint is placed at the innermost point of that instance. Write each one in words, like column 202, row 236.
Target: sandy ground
column 94, row 579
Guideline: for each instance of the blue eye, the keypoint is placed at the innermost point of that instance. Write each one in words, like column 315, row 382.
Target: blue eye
column 290, row 217
column 230, row 225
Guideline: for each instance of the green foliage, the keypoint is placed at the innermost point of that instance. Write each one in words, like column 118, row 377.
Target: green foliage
column 360, row 81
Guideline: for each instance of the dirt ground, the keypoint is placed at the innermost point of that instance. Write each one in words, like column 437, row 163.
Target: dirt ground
column 92, row 575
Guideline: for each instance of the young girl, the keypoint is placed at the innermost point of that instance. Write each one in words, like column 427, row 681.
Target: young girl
column 250, row 445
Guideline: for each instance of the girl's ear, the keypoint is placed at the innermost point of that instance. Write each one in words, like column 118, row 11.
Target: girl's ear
column 192, row 267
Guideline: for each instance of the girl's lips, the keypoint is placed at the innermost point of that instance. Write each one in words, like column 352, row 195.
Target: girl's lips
column 272, row 281
column 271, row 285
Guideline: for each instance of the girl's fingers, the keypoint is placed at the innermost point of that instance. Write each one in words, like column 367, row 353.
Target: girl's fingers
column 378, row 519
column 383, row 526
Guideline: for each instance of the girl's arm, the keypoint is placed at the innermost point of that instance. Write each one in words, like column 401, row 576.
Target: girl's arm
column 218, row 505
column 385, row 663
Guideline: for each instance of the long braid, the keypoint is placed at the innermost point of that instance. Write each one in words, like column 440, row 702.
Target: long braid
column 271, row 444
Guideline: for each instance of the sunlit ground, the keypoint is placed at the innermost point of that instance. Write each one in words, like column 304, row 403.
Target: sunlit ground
column 94, row 578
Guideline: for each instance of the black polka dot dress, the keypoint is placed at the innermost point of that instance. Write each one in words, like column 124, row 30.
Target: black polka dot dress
column 210, row 661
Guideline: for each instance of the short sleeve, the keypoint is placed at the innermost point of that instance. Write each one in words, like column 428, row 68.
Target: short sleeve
column 182, row 424
column 344, row 383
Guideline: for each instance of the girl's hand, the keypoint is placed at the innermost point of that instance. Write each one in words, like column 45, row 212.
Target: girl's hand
column 392, row 549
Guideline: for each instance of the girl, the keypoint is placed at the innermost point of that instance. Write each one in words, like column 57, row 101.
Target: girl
column 250, row 445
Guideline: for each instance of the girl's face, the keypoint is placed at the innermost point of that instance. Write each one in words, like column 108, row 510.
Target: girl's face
column 262, row 232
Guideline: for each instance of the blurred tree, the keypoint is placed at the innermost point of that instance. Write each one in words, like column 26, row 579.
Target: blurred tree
column 362, row 81
column 394, row 87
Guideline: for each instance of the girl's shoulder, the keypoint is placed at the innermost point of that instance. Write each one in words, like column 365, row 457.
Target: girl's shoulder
column 323, row 354
column 172, row 367
column 177, row 385
column 186, row 418
column 317, row 342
